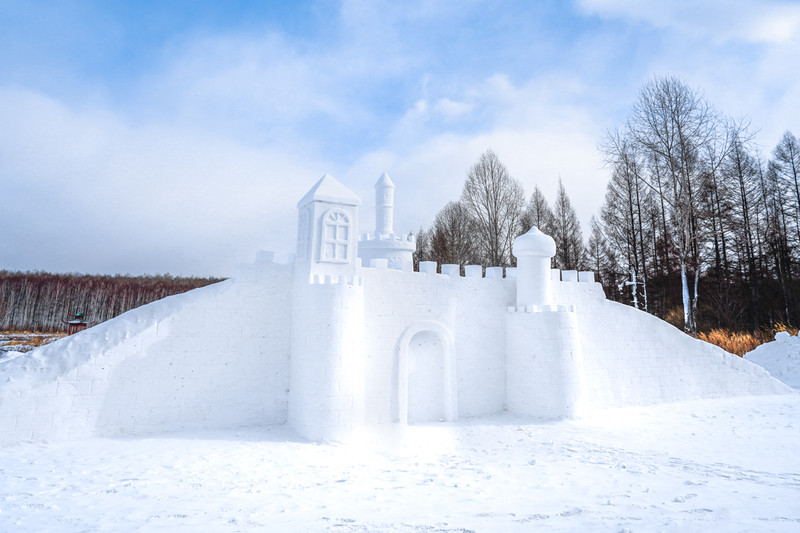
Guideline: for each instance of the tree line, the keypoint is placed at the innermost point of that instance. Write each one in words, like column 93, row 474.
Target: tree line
column 39, row 301
column 697, row 226
column 480, row 227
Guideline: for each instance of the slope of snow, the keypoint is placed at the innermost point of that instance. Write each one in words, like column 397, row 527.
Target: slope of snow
column 706, row 465
column 781, row 358
column 57, row 358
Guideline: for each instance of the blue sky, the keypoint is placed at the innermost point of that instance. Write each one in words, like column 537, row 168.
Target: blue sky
column 151, row 137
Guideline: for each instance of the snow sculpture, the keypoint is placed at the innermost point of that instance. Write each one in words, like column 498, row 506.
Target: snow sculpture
column 384, row 243
column 544, row 371
column 328, row 345
column 327, row 229
column 533, row 251
column 326, row 368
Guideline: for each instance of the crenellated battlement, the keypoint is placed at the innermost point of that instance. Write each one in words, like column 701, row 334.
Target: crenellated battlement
column 572, row 276
column 409, row 238
column 478, row 271
column 541, row 308
column 320, row 279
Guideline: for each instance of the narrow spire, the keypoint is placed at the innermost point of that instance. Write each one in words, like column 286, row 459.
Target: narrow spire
column 384, row 205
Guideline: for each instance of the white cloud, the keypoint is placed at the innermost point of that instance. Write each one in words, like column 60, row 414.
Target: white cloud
column 773, row 22
column 202, row 161
column 537, row 130
column 85, row 192
column 451, row 109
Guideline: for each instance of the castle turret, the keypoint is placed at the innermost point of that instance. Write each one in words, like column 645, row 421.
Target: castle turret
column 398, row 250
column 327, row 228
column 326, row 391
column 384, row 205
column 533, row 251
column 544, row 362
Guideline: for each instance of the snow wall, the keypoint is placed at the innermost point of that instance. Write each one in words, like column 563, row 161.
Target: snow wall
column 213, row 357
column 329, row 355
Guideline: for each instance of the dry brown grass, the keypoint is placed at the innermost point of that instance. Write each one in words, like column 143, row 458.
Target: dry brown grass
column 741, row 342
column 30, row 339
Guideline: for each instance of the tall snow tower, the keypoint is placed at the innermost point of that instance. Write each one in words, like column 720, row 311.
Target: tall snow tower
column 384, row 243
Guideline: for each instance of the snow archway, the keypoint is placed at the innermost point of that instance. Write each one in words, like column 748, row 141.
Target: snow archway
column 426, row 373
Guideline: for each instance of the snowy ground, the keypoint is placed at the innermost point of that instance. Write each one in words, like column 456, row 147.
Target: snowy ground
column 713, row 465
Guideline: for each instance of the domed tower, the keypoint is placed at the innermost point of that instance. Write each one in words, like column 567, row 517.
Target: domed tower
column 398, row 250
column 533, row 251
column 544, row 361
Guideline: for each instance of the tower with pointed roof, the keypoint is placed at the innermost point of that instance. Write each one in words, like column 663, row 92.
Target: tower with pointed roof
column 384, row 243
column 326, row 367
column 327, row 229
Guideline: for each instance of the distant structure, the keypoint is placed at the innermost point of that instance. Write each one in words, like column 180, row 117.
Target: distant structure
column 77, row 323
column 345, row 335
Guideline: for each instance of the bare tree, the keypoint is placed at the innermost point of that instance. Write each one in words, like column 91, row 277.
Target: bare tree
column 423, row 250
column 452, row 236
column 625, row 213
column 741, row 172
column 40, row 301
column 599, row 257
column 567, row 233
column 785, row 164
column 494, row 201
column 537, row 213
column 675, row 125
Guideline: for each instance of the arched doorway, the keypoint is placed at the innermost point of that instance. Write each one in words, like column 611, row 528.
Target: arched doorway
column 426, row 385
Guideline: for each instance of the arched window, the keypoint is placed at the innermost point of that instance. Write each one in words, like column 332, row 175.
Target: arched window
column 335, row 237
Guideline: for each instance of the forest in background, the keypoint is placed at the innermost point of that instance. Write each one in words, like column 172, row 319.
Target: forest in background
column 38, row 301
column 698, row 227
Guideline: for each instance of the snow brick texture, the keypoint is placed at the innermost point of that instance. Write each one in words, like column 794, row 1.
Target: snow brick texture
column 329, row 346
column 213, row 357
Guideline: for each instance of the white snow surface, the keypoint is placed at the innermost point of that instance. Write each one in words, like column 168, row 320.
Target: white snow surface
column 781, row 358
column 705, row 465
column 55, row 359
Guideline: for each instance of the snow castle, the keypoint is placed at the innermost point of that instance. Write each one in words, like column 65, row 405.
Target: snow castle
column 344, row 334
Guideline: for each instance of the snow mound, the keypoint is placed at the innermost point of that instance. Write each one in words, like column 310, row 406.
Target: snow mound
column 56, row 359
column 781, row 358
column 7, row 356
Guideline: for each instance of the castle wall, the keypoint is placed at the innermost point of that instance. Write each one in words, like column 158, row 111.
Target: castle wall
column 213, row 357
column 220, row 357
column 544, row 369
column 472, row 310
column 634, row 358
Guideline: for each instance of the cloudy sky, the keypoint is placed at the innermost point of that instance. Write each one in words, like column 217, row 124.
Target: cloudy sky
column 154, row 137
